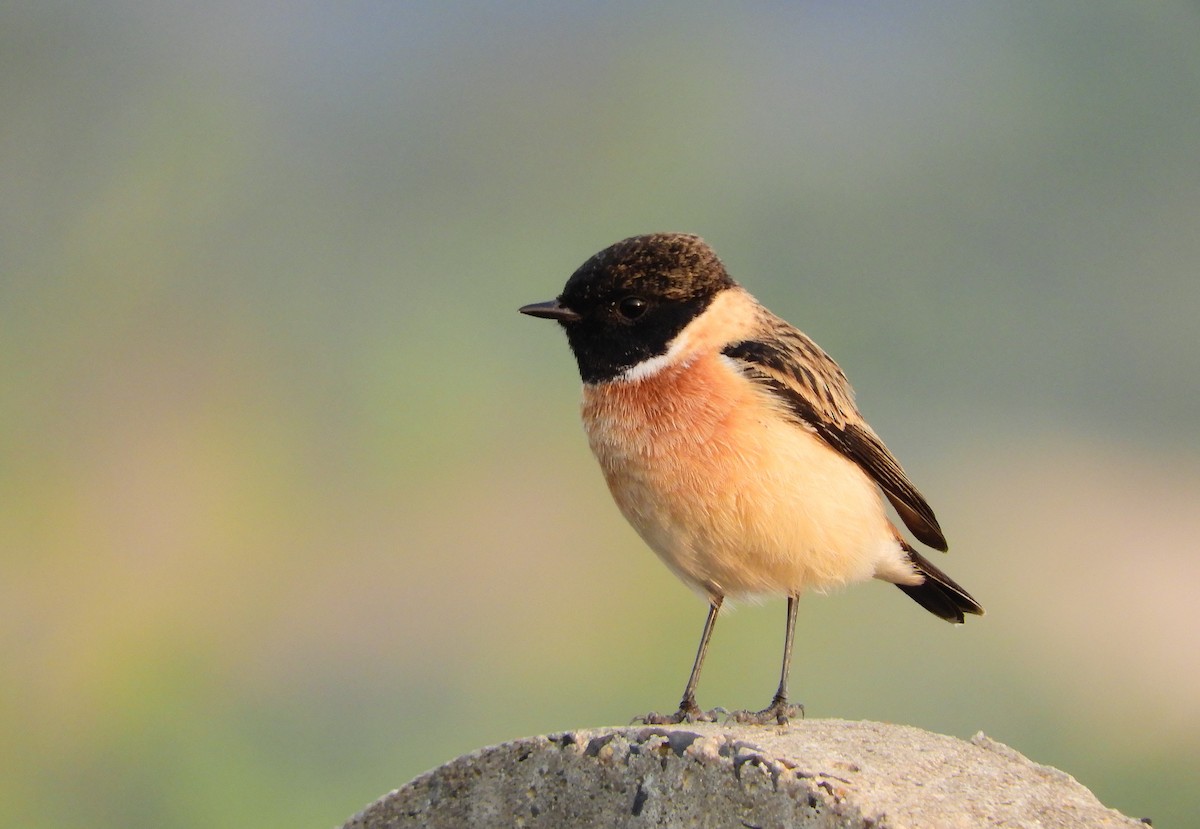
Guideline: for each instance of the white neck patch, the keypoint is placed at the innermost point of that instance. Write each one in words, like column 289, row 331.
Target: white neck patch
column 653, row 365
column 646, row 368
column 731, row 314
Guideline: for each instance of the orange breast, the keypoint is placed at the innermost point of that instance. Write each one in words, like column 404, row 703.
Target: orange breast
column 734, row 497
column 677, row 408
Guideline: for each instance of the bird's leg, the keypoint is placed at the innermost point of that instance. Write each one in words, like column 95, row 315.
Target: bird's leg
column 689, row 711
column 779, row 711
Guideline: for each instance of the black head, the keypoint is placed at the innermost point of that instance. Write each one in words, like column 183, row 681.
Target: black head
column 626, row 303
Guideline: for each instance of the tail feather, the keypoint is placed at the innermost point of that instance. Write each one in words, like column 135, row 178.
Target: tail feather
column 939, row 594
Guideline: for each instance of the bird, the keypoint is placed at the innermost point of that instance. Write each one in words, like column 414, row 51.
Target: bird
column 732, row 444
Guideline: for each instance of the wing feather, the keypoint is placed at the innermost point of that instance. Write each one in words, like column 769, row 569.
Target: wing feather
column 814, row 390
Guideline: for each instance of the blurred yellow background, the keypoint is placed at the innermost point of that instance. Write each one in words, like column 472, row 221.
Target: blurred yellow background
column 294, row 505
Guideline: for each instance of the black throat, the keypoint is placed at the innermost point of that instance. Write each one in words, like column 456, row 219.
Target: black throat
column 604, row 352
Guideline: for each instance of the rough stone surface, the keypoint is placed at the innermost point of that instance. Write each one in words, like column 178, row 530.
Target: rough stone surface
column 813, row 774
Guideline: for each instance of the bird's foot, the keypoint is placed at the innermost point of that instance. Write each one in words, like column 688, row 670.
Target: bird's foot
column 688, row 712
column 778, row 712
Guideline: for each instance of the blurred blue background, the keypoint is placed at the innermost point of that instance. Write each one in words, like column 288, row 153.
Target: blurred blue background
column 294, row 505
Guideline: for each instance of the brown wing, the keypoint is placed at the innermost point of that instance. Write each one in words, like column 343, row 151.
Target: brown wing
column 813, row 388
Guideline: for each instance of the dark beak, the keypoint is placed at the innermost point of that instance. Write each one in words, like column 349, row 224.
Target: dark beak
column 552, row 310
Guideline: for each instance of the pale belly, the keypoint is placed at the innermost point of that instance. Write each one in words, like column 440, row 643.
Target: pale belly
column 736, row 504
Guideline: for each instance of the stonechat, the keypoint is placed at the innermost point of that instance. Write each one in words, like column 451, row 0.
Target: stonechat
column 732, row 443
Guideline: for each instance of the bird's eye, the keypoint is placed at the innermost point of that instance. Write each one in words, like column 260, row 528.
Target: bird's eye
column 631, row 307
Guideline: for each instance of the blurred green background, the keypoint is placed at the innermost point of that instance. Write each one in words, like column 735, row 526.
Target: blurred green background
column 294, row 505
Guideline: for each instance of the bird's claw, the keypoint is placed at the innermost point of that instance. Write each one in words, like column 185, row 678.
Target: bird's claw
column 779, row 712
column 687, row 713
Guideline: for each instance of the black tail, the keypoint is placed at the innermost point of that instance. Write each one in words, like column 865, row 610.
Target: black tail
column 938, row 593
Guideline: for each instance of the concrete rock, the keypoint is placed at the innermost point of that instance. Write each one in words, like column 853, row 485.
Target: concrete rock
column 813, row 774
